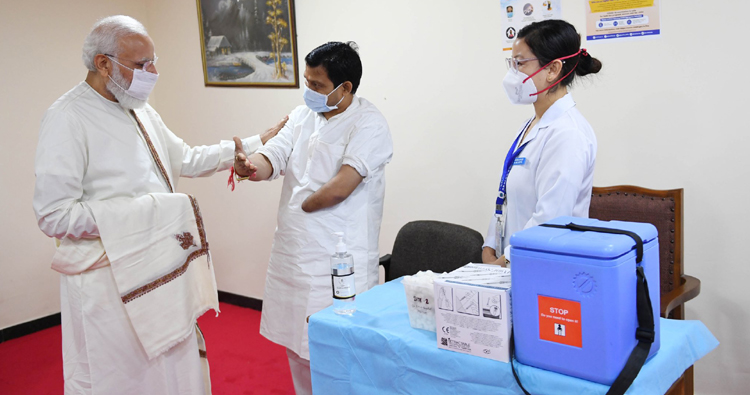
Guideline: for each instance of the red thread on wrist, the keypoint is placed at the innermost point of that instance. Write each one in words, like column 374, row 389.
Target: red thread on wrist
column 230, row 182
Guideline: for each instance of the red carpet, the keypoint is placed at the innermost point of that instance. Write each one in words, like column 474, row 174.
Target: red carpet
column 242, row 361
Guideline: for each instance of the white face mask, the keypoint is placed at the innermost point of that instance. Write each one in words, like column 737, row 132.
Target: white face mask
column 518, row 91
column 318, row 102
column 142, row 84
column 126, row 101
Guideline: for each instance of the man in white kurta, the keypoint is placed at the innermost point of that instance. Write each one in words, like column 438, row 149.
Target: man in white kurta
column 92, row 148
column 332, row 153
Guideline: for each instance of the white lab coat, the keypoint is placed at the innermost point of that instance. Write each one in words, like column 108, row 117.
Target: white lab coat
column 309, row 151
column 90, row 149
column 557, row 176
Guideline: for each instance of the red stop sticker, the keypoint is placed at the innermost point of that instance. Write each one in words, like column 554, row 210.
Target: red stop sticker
column 560, row 321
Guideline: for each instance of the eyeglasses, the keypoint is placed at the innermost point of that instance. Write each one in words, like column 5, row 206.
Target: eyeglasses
column 143, row 66
column 513, row 63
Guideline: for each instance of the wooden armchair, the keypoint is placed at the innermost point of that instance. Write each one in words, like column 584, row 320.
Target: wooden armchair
column 663, row 209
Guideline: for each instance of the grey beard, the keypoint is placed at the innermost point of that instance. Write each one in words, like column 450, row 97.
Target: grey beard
column 126, row 101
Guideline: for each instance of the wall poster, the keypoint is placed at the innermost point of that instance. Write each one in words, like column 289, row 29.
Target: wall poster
column 622, row 19
column 518, row 13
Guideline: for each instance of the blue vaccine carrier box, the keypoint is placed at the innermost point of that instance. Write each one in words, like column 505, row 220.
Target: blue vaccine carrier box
column 574, row 296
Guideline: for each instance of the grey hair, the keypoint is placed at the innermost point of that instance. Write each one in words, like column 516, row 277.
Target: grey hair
column 105, row 36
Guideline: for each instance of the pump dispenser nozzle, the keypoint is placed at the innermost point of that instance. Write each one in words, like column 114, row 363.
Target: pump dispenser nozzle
column 340, row 246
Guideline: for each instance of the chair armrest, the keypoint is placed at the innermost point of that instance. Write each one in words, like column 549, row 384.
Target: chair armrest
column 688, row 289
column 385, row 261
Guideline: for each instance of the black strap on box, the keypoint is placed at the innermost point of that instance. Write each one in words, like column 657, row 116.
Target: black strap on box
column 645, row 332
column 583, row 228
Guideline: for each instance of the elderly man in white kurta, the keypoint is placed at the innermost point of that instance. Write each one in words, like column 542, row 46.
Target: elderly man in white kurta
column 332, row 153
column 102, row 149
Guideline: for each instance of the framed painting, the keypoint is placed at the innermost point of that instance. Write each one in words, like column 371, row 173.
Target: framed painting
column 250, row 43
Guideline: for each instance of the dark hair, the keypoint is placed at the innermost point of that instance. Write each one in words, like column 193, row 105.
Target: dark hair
column 340, row 60
column 554, row 38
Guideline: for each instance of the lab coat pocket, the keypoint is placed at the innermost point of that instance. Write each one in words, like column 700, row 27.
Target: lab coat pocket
column 325, row 162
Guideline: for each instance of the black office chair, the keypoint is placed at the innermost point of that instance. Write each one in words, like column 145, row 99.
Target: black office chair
column 432, row 245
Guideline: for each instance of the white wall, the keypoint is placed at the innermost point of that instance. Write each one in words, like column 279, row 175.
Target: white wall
column 667, row 113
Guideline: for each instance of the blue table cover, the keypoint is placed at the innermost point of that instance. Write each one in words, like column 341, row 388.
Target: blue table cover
column 376, row 351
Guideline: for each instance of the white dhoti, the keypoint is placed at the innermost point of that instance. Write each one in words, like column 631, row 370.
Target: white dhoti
column 101, row 347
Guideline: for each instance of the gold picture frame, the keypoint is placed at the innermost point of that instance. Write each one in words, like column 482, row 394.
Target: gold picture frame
column 248, row 43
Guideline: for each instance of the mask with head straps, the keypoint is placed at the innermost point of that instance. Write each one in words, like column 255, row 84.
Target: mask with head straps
column 520, row 87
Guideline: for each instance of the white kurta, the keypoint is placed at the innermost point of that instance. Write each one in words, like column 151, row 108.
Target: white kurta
column 557, row 176
column 308, row 152
column 91, row 149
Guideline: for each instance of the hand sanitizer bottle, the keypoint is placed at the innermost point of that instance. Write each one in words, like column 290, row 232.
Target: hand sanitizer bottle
column 342, row 279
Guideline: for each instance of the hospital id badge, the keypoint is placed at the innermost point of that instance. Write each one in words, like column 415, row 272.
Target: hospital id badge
column 500, row 230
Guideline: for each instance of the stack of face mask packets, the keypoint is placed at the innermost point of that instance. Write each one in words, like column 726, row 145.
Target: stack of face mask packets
column 420, row 299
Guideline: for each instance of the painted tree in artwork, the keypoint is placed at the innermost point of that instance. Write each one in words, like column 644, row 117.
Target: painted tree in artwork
column 278, row 22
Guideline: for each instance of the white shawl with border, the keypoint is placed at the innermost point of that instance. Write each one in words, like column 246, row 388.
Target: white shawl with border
column 159, row 255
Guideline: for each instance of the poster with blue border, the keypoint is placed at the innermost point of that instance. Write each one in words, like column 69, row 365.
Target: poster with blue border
column 622, row 19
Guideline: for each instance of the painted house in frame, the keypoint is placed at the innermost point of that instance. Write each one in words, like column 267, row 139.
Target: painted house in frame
column 218, row 45
column 248, row 43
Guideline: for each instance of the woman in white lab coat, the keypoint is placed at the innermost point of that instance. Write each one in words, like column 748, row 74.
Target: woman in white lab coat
column 549, row 169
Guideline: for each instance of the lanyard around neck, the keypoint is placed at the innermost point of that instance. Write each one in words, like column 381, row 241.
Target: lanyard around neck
column 510, row 158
